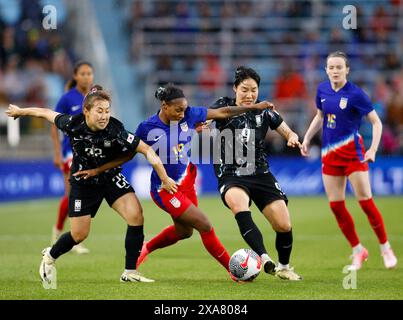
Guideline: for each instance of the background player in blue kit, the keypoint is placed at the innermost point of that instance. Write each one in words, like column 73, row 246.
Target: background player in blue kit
column 97, row 141
column 70, row 103
column 341, row 106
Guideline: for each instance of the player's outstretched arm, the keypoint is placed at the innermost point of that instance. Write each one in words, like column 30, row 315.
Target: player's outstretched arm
column 167, row 183
column 228, row 112
column 16, row 112
column 85, row 174
column 289, row 135
column 314, row 127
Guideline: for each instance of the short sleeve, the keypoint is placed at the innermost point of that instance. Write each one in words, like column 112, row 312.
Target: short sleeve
column 274, row 118
column 197, row 114
column 318, row 102
column 222, row 102
column 140, row 132
column 63, row 122
column 61, row 105
column 362, row 103
column 128, row 140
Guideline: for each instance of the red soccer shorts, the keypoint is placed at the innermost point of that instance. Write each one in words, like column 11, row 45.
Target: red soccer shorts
column 345, row 170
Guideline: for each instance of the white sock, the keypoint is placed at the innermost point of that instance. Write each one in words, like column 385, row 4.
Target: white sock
column 265, row 257
column 385, row 246
column 129, row 271
column 357, row 248
column 283, row 266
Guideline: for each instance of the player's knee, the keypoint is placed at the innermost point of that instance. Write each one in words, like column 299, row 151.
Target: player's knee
column 185, row 234
column 282, row 226
column 79, row 235
column 203, row 225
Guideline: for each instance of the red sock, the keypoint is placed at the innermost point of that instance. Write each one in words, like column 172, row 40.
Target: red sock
column 345, row 221
column 375, row 219
column 215, row 248
column 165, row 238
column 63, row 211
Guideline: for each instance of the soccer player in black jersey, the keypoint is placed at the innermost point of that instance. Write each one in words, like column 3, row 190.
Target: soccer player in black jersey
column 97, row 141
column 243, row 172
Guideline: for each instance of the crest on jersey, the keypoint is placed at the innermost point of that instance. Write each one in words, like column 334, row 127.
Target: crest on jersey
column 107, row 144
column 259, row 120
column 175, row 202
column 343, row 103
column 130, row 138
column 184, row 126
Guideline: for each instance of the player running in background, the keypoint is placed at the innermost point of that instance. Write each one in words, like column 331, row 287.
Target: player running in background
column 97, row 140
column 244, row 178
column 70, row 103
column 170, row 132
column 341, row 106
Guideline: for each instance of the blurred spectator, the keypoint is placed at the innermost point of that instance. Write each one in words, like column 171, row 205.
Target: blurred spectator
column 290, row 83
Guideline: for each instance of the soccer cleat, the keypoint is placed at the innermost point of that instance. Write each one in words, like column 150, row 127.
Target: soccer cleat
column 80, row 249
column 269, row 267
column 47, row 268
column 143, row 255
column 55, row 235
column 134, row 276
column 287, row 274
column 389, row 258
column 358, row 259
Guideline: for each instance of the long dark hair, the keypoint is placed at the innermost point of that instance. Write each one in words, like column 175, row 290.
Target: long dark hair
column 72, row 82
column 242, row 73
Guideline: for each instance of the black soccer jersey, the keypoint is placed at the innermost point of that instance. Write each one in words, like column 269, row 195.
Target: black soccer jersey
column 93, row 149
column 240, row 143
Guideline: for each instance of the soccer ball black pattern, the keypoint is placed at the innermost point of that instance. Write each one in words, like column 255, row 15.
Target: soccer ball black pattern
column 245, row 264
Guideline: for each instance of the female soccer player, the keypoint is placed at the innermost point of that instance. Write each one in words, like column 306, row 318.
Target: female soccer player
column 70, row 103
column 98, row 139
column 170, row 132
column 341, row 106
column 246, row 177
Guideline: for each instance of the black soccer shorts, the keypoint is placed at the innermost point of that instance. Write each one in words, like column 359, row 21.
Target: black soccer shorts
column 85, row 199
column 262, row 189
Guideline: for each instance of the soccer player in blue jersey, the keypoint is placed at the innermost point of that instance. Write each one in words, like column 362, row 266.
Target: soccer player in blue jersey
column 341, row 106
column 98, row 140
column 169, row 132
column 70, row 103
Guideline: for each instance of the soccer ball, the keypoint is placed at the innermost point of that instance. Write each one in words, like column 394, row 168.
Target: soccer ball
column 245, row 264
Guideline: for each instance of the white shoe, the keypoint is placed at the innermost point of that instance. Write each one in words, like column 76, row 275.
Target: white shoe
column 358, row 259
column 55, row 235
column 134, row 276
column 47, row 268
column 80, row 249
column 287, row 274
column 389, row 258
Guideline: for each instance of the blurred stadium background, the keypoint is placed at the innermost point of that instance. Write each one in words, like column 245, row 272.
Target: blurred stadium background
column 137, row 45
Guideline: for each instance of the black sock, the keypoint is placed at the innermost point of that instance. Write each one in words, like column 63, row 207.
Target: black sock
column 284, row 246
column 133, row 243
column 62, row 245
column 250, row 232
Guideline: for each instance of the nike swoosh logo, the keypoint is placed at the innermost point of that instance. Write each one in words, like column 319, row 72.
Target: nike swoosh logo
column 77, row 139
column 244, row 264
column 259, row 263
column 246, row 232
column 157, row 138
column 322, row 100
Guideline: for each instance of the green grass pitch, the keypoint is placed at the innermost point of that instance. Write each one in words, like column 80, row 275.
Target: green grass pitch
column 186, row 270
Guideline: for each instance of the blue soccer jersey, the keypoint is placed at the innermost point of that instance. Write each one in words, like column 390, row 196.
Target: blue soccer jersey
column 172, row 142
column 342, row 111
column 70, row 103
